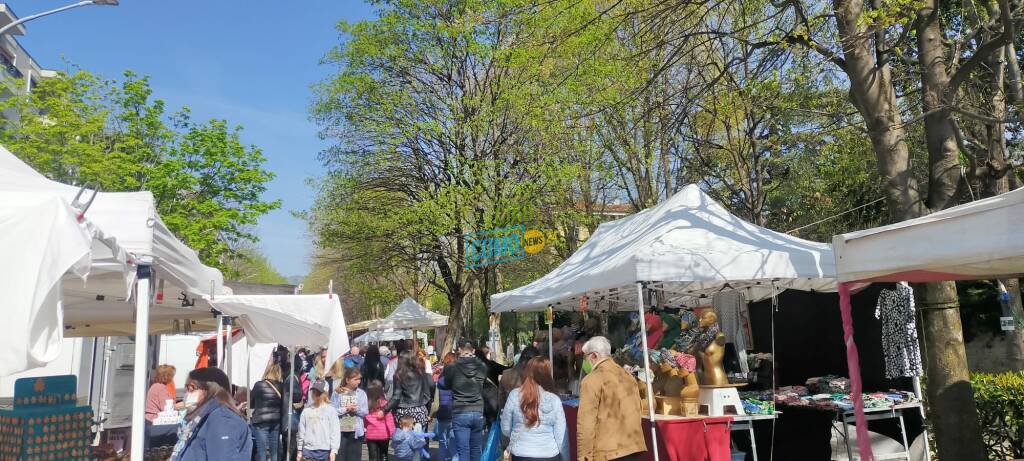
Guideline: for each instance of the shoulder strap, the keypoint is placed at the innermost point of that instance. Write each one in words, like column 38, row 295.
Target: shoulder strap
column 272, row 386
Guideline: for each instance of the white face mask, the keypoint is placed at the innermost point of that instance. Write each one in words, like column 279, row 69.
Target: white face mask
column 192, row 400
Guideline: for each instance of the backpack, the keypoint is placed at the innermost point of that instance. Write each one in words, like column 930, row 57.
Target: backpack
column 304, row 380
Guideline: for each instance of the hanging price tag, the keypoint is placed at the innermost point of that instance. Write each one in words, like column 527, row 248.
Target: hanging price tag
column 549, row 316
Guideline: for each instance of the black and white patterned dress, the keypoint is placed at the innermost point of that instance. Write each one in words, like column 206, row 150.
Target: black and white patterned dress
column 899, row 332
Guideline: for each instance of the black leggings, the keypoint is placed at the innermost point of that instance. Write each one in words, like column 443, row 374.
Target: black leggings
column 378, row 449
column 351, row 448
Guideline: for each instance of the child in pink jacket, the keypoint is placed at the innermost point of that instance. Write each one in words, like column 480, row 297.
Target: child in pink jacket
column 380, row 426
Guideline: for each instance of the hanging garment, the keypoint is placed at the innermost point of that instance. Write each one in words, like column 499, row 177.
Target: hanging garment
column 672, row 330
column 899, row 332
column 728, row 306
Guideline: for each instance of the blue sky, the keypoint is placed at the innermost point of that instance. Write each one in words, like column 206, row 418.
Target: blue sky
column 248, row 61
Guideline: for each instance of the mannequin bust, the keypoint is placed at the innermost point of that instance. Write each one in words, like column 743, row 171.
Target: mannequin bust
column 712, row 351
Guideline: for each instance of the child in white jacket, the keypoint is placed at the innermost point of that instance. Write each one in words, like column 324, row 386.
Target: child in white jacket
column 319, row 435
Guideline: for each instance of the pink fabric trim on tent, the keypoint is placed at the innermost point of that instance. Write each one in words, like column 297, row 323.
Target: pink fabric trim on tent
column 853, row 362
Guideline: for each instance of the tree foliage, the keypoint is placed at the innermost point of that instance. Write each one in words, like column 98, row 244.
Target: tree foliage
column 81, row 129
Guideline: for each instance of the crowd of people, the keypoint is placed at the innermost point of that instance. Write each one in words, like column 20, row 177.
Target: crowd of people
column 394, row 404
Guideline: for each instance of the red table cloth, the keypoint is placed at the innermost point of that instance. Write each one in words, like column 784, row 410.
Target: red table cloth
column 694, row 439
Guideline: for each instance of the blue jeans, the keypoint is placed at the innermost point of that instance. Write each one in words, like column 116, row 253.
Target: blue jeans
column 267, row 438
column 445, row 445
column 469, row 435
column 316, row 455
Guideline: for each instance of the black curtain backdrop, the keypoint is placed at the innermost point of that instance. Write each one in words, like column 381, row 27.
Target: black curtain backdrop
column 808, row 343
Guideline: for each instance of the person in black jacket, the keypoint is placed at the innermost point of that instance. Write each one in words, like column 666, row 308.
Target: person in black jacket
column 412, row 391
column 266, row 413
column 372, row 369
column 465, row 378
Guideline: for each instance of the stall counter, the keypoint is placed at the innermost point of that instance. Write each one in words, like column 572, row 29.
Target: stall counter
column 679, row 438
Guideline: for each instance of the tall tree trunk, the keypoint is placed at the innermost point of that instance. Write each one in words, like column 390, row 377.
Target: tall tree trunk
column 872, row 92
column 456, row 322
column 950, row 396
column 953, row 415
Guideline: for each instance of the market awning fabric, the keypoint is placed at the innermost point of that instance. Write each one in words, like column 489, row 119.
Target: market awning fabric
column 41, row 240
column 411, row 315
column 981, row 239
column 130, row 219
column 686, row 246
column 290, row 320
column 381, row 336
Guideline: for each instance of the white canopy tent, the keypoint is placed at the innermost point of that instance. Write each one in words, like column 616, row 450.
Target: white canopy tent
column 291, row 320
column 153, row 257
column 382, row 336
column 977, row 240
column 42, row 241
column 686, row 247
column 411, row 315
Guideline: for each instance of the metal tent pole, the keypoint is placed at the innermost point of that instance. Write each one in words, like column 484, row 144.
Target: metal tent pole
column 551, row 340
column 920, row 398
column 291, row 406
column 647, row 368
column 140, row 367
column 220, row 343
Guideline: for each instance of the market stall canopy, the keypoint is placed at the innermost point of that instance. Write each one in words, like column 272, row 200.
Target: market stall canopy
column 362, row 326
column 411, row 315
column 290, row 320
column 99, row 306
column 382, row 336
column 981, row 239
column 686, row 246
column 131, row 218
column 41, row 242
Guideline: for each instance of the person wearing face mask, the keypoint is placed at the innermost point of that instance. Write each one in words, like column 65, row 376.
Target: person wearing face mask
column 608, row 424
column 213, row 428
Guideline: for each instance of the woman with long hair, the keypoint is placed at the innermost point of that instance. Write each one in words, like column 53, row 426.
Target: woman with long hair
column 512, row 377
column 267, row 406
column 319, row 434
column 213, row 427
column 350, row 402
column 372, row 368
column 412, row 390
column 533, row 417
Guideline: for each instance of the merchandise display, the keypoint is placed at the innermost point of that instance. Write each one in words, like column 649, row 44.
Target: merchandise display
column 826, row 393
column 46, row 423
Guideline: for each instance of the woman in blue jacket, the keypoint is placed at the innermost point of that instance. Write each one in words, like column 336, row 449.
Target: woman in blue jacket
column 213, row 427
column 533, row 418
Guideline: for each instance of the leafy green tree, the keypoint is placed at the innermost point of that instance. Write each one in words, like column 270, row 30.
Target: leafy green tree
column 114, row 136
column 250, row 266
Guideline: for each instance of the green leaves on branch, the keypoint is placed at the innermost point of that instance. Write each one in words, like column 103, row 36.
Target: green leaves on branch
column 82, row 129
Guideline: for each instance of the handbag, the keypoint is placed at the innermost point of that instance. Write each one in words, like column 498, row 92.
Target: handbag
column 492, row 448
column 492, row 401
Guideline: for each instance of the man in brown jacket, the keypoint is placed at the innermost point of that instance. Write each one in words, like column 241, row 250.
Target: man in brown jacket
column 608, row 424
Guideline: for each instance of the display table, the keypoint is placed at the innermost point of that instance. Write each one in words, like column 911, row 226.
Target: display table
column 681, row 438
column 875, row 414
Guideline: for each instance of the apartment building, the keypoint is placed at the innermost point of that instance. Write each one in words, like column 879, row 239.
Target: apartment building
column 19, row 73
